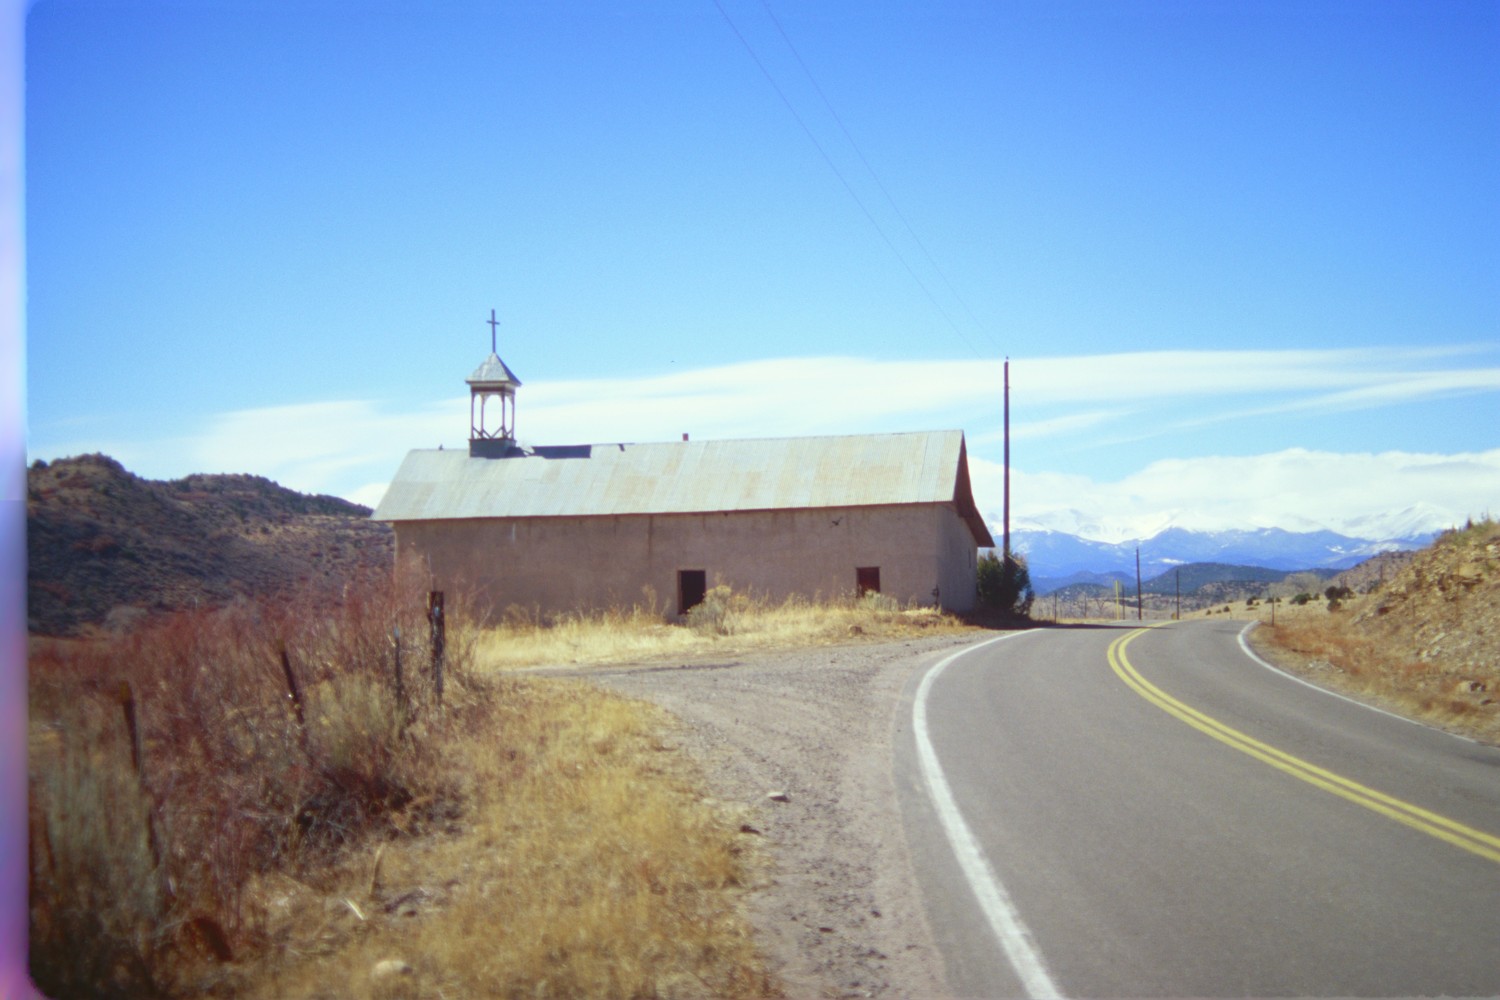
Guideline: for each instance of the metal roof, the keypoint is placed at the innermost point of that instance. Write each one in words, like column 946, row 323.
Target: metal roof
column 492, row 369
column 687, row 477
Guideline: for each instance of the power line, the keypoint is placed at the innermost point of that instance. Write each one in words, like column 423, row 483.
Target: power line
column 911, row 231
column 844, row 180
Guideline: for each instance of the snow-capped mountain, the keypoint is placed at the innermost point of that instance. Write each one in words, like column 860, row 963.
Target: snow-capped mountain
column 1119, row 526
column 1057, row 557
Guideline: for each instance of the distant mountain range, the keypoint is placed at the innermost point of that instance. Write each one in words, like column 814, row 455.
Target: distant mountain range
column 1418, row 519
column 1057, row 559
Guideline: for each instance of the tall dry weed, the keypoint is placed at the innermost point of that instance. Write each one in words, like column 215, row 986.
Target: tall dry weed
column 93, row 861
column 286, row 819
column 267, row 738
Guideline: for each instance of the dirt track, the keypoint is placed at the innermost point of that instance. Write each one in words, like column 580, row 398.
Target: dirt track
column 841, row 916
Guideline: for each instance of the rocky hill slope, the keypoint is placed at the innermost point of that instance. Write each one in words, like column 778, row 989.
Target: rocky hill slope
column 105, row 547
column 1426, row 640
column 1442, row 607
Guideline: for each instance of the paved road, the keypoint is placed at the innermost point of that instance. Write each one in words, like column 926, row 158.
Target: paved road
column 1111, row 842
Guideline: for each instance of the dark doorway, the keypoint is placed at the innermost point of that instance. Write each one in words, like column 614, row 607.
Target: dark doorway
column 867, row 580
column 692, row 584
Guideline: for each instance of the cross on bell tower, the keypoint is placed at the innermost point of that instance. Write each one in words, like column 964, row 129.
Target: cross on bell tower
column 492, row 381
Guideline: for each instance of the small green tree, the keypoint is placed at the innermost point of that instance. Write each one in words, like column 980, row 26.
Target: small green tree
column 1005, row 584
column 1336, row 597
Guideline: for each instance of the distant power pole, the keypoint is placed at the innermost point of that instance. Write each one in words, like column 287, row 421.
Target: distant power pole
column 1138, row 616
column 1007, row 460
column 1179, row 595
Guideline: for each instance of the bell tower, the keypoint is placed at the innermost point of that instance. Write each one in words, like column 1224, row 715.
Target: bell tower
column 492, row 384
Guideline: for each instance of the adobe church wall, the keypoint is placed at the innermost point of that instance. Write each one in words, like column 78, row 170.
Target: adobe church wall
column 958, row 563
column 924, row 552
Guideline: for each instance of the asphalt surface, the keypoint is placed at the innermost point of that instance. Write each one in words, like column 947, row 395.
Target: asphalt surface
column 1134, row 852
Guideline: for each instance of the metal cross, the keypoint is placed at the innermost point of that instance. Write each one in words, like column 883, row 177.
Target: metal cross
column 493, row 324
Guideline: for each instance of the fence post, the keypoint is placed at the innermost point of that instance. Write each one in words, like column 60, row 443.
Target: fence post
column 400, row 690
column 435, row 618
column 126, row 696
column 293, row 688
column 137, row 751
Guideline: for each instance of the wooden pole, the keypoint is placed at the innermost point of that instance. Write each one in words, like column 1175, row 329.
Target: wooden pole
column 435, row 616
column 1138, row 614
column 400, row 685
column 293, row 688
column 126, row 696
column 1007, row 461
column 133, row 728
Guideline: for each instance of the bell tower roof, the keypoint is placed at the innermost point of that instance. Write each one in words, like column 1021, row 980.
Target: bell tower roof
column 492, row 372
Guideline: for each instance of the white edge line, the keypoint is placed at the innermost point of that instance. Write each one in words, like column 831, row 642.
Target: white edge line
column 999, row 910
column 1335, row 694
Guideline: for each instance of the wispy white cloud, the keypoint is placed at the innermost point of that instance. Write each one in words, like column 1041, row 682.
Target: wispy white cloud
column 352, row 448
column 1067, row 424
column 1373, row 495
column 1157, row 375
column 1380, row 390
column 849, row 395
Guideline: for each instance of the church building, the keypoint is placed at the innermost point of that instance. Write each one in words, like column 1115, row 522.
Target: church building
column 587, row 527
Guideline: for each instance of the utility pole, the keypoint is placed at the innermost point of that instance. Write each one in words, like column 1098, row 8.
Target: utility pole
column 1007, row 463
column 1138, row 615
column 1178, row 616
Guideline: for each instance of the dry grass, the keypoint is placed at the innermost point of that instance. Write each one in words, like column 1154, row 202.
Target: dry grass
column 1424, row 644
column 589, row 866
column 523, row 837
column 1325, row 649
column 725, row 622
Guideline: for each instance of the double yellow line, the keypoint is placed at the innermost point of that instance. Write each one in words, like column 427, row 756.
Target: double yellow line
column 1474, row 841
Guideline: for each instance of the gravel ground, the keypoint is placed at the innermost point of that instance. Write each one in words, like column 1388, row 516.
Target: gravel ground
column 839, row 914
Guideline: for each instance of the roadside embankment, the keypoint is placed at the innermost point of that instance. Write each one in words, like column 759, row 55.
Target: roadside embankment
column 1425, row 643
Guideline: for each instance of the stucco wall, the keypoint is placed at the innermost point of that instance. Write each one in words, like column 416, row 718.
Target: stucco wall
column 561, row 564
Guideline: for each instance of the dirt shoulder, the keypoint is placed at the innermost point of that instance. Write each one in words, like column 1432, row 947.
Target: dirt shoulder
column 839, row 913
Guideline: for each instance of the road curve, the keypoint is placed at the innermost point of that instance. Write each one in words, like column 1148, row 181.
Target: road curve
column 1106, row 811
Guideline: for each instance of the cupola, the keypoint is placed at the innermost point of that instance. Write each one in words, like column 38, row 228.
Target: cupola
column 492, row 433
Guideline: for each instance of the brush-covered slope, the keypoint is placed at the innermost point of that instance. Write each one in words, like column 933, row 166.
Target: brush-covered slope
column 105, row 546
column 1425, row 642
column 1442, row 607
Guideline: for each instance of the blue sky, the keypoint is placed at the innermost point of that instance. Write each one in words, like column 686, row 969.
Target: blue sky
column 1245, row 257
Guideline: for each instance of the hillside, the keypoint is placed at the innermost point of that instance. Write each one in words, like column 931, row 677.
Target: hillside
column 1372, row 573
column 1202, row 585
column 1442, row 607
column 1428, row 638
column 105, row 546
column 1195, row 576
